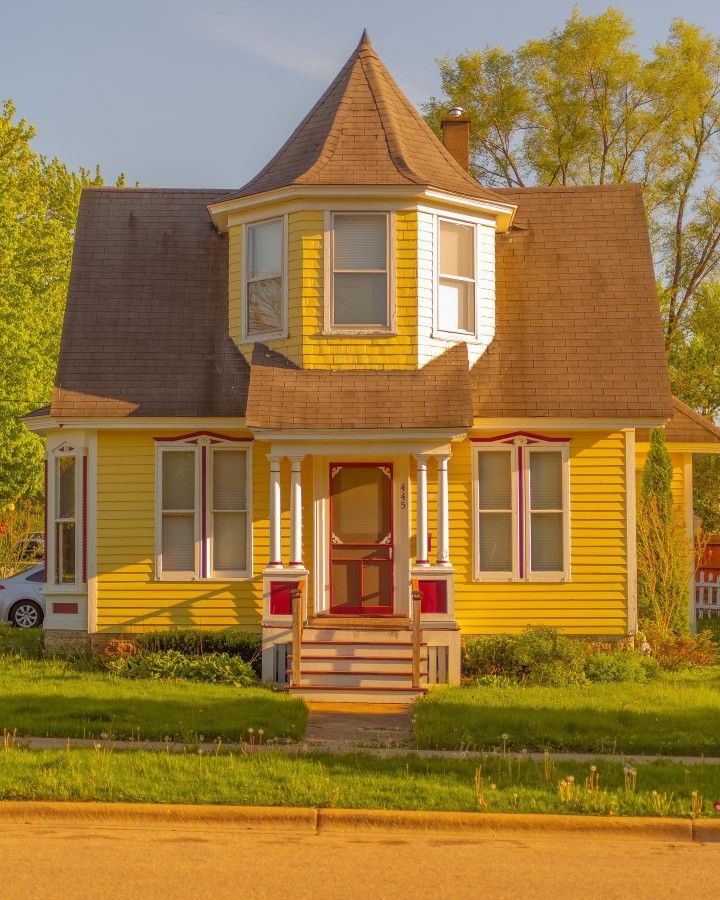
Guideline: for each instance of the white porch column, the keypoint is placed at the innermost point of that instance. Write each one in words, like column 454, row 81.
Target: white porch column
column 422, row 511
column 296, row 559
column 443, row 525
column 275, row 514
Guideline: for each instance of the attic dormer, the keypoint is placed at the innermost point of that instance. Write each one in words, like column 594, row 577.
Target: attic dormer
column 364, row 242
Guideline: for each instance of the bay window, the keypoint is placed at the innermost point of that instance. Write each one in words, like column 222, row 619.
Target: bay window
column 521, row 503
column 456, row 277
column 359, row 271
column 264, row 280
column 203, row 520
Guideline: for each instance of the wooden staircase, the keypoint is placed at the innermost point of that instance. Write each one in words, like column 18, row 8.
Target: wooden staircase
column 348, row 660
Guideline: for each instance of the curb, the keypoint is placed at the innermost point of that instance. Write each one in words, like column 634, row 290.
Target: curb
column 318, row 821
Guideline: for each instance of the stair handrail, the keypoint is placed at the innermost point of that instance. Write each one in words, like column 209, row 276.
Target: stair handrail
column 416, row 633
column 296, row 598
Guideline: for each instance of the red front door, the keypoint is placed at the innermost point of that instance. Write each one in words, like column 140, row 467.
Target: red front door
column 361, row 539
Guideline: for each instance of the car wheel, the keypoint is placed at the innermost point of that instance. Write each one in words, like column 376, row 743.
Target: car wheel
column 26, row 614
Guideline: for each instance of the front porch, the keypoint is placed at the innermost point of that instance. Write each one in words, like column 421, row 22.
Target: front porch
column 362, row 608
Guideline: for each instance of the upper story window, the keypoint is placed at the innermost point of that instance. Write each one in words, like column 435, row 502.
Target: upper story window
column 265, row 313
column 456, row 302
column 359, row 271
column 203, row 502
column 522, row 511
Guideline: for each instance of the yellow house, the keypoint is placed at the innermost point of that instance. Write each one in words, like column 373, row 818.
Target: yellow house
column 364, row 405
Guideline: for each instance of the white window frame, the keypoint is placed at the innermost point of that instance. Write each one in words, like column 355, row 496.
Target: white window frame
column 366, row 330
column 282, row 332
column 54, row 521
column 520, row 477
column 203, row 548
column 228, row 574
column 437, row 331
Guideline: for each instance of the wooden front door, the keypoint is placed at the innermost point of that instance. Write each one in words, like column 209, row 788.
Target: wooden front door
column 361, row 538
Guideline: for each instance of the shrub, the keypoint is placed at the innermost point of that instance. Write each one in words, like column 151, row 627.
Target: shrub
column 711, row 627
column 25, row 642
column 492, row 655
column 545, row 656
column 619, row 665
column 538, row 655
column 202, row 641
column 218, row 668
column 675, row 652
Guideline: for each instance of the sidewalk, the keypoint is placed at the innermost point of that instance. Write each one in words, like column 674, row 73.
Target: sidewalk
column 380, row 731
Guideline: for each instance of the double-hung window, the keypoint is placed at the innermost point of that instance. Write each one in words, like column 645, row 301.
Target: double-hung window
column 265, row 313
column 522, row 514
column 65, row 504
column 456, row 302
column 203, row 501
column 359, row 271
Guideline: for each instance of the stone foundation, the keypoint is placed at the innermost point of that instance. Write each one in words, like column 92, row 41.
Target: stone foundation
column 63, row 640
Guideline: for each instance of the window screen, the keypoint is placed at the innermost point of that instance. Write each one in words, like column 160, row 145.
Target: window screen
column 456, row 281
column 494, row 468
column 178, row 511
column 546, row 511
column 360, row 276
column 229, row 510
column 264, row 288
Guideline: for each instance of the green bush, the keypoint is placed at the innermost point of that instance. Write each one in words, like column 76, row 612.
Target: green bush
column 218, row 668
column 710, row 626
column 620, row 665
column 545, row 656
column 202, row 641
column 491, row 655
column 685, row 651
column 538, row 655
column 25, row 642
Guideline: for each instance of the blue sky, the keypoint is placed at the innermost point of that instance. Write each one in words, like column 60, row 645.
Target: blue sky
column 200, row 93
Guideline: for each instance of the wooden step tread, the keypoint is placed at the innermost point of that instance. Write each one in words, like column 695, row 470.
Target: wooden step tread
column 373, row 623
column 344, row 688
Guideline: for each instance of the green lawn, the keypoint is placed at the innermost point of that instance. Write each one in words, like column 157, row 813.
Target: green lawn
column 54, row 698
column 675, row 714
column 353, row 781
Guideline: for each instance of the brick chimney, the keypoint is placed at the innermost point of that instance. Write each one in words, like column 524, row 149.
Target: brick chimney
column 456, row 135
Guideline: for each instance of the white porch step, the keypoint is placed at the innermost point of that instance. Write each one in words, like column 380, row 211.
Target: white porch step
column 356, row 636
column 331, row 678
column 339, row 664
column 338, row 650
column 396, row 696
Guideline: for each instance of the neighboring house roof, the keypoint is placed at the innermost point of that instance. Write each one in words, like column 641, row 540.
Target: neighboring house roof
column 284, row 396
column 145, row 329
column 578, row 329
column 685, row 426
column 364, row 131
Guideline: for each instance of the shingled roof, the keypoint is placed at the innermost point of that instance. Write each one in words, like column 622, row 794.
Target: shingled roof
column 283, row 396
column 685, row 426
column 145, row 329
column 578, row 329
column 364, row 131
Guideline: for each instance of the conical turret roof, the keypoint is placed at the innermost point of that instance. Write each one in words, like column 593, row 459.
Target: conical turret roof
column 364, row 131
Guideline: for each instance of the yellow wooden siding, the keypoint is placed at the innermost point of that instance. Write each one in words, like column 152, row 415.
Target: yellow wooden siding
column 594, row 601
column 128, row 596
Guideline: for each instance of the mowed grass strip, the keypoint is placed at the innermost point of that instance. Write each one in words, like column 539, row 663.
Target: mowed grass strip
column 53, row 698
column 676, row 714
column 273, row 778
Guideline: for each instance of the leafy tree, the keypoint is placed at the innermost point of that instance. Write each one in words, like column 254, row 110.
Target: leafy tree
column 38, row 209
column 664, row 552
column 582, row 106
column 706, row 491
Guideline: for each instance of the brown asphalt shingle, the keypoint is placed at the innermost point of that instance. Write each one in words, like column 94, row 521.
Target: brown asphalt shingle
column 578, row 329
column 364, row 131
column 685, row 426
column 145, row 328
column 283, row 396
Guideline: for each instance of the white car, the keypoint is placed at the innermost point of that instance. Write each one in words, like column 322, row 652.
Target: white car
column 21, row 598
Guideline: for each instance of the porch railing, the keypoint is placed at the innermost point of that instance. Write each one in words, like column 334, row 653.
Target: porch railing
column 707, row 595
column 298, row 613
column 416, row 635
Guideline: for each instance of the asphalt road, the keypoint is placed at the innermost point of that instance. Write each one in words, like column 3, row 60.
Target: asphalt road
column 78, row 859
